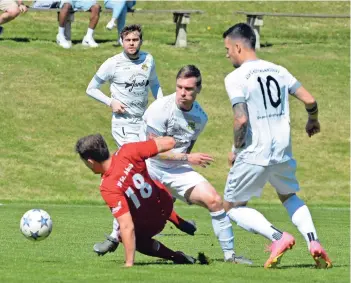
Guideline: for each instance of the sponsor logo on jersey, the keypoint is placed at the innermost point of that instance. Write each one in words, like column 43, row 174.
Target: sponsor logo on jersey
column 134, row 84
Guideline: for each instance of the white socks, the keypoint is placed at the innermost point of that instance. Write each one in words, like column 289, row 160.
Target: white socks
column 302, row 219
column 224, row 232
column 61, row 31
column 115, row 230
column 90, row 33
column 254, row 222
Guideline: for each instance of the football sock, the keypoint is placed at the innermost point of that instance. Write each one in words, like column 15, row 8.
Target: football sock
column 90, row 33
column 224, row 232
column 114, row 233
column 154, row 248
column 254, row 222
column 301, row 217
column 61, row 31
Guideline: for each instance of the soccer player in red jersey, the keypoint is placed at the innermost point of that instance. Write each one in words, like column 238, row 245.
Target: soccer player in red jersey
column 141, row 206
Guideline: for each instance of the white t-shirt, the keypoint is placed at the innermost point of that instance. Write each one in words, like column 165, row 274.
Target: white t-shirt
column 164, row 118
column 130, row 81
column 265, row 88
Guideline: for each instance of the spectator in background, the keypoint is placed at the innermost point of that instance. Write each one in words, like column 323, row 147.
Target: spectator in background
column 11, row 10
column 85, row 5
column 119, row 14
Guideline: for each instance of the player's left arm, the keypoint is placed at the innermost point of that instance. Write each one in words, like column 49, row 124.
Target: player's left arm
column 312, row 126
column 155, row 87
column 298, row 91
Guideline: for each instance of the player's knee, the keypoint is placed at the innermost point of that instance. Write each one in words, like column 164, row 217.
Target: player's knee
column 283, row 198
column 95, row 9
column 13, row 12
column 66, row 7
column 214, row 202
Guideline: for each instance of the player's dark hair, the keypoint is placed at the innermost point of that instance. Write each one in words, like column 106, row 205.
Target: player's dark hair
column 128, row 29
column 243, row 32
column 93, row 147
column 190, row 71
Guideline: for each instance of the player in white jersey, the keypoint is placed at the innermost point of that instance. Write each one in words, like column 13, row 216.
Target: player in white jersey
column 131, row 74
column 180, row 116
column 259, row 94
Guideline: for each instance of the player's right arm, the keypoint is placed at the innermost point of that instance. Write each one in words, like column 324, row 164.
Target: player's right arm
column 126, row 227
column 144, row 150
column 237, row 98
column 118, row 204
column 104, row 74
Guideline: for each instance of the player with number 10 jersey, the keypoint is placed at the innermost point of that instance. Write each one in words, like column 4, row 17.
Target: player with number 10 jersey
column 265, row 88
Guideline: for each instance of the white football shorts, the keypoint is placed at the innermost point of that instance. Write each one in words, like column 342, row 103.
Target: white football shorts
column 247, row 180
column 178, row 180
column 123, row 134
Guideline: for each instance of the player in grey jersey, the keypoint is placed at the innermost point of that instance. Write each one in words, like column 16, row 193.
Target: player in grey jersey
column 180, row 116
column 259, row 94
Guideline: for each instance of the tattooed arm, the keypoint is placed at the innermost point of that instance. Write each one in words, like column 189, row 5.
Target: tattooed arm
column 241, row 118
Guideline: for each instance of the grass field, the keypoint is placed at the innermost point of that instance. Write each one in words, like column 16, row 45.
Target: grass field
column 44, row 110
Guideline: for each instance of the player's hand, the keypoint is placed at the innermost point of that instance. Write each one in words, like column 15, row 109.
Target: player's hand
column 312, row 127
column 231, row 158
column 23, row 8
column 201, row 159
column 128, row 264
column 117, row 107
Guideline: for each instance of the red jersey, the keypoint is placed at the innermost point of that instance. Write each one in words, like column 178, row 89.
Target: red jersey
column 127, row 187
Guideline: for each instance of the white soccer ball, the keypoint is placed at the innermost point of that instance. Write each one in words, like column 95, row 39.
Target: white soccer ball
column 36, row 224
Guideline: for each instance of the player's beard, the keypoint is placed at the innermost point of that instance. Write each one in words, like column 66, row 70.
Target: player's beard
column 134, row 55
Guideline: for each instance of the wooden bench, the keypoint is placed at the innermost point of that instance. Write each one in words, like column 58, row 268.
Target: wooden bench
column 180, row 17
column 255, row 19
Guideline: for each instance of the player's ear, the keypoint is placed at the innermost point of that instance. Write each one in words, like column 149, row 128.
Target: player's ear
column 120, row 41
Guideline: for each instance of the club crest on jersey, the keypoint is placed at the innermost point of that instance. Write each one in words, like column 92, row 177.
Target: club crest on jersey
column 144, row 67
column 191, row 125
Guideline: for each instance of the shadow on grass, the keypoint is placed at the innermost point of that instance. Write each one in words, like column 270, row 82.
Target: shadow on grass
column 181, row 235
column 17, row 39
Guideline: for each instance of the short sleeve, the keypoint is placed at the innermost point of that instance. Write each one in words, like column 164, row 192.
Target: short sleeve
column 235, row 89
column 292, row 82
column 156, row 119
column 116, row 201
column 105, row 72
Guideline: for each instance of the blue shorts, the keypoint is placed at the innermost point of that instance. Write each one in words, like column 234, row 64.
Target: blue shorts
column 84, row 5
